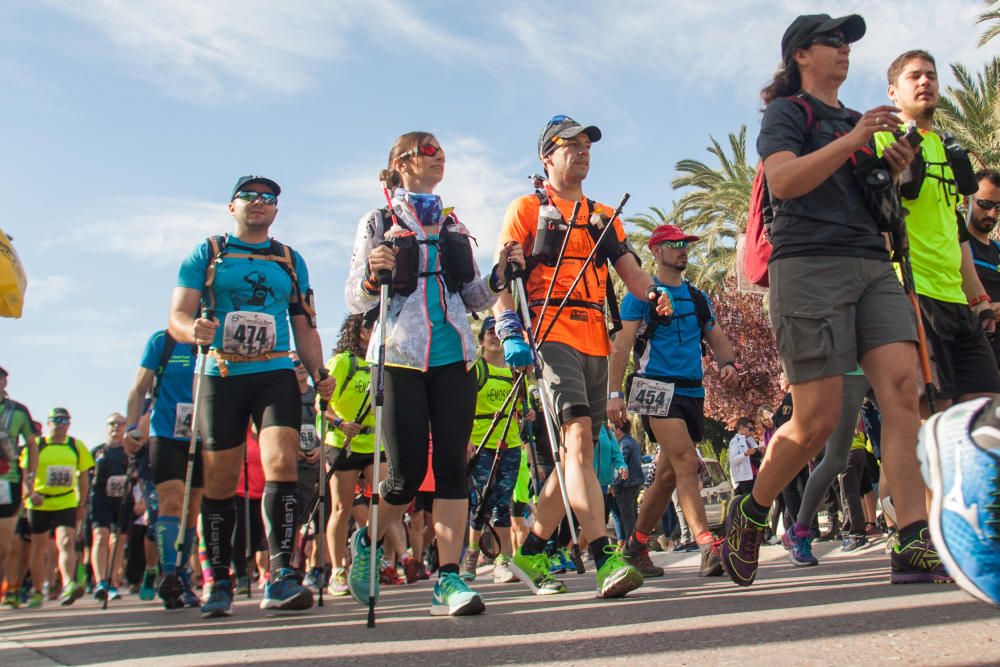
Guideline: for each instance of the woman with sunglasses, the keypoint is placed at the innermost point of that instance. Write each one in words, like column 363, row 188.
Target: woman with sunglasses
column 429, row 352
column 835, row 299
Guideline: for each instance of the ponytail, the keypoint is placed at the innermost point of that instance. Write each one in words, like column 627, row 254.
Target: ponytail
column 787, row 81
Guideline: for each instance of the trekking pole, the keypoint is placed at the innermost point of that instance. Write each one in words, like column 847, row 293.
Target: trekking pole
column 247, row 550
column 320, row 537
column 529, row 433
column 597, row 244
column 901, row 250
column 555, row 270
column 117, row 528
column 206, row 313
column 490, row 546
column 548, row 411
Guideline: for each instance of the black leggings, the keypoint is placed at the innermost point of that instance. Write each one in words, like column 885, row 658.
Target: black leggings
column 441, row 401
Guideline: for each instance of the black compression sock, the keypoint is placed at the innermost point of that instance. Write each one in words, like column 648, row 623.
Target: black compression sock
column 450, row 567
column 280, row 509
column 218, row 520
column 533, row 545
column 754, row 510
column 597, row 551
column 911, row 532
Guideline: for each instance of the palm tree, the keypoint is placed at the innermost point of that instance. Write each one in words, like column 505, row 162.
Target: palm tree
column 971, row 112
column 992, row 17
column 714, row 207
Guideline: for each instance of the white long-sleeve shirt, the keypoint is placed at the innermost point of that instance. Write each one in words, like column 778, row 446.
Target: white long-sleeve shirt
column 739, row 462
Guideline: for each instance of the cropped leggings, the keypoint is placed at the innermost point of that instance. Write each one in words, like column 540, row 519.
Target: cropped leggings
column 440, row 404
column 838, row 448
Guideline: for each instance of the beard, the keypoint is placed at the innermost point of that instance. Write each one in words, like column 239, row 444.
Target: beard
column 984, row 224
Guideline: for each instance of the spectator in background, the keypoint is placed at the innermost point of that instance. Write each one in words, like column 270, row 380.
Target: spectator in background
column 627, row 490
column 741, row 448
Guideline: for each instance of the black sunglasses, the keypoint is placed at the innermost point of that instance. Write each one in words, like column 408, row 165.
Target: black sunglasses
column 832, row 40
column 987, row 204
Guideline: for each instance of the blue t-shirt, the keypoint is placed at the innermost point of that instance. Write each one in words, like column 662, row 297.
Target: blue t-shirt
column 251, row 303
column 675, row 350
column 175, row 388
column 446, row 343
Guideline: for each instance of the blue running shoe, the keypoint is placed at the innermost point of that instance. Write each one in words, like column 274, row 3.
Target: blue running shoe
column 285, row 592
column 189, row 598
column 359, row 577
column 220, row 601
column 959, row 452
column 452, row 597
column 101, row 590
column 800, row 550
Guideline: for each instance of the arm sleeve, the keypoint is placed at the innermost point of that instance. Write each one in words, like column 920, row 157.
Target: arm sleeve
column 368, row 235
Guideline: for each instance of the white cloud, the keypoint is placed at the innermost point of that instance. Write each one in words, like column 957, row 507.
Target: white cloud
column 152, row 230
column 49, row 290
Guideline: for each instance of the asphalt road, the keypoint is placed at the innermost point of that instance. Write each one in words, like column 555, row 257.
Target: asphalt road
column 843, row 612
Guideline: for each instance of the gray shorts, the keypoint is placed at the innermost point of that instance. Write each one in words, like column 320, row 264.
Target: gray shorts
column 827, row 312
column 579, row 383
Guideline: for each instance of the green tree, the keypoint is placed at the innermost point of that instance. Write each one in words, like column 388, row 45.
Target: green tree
column 991, row 17
column 971, row 111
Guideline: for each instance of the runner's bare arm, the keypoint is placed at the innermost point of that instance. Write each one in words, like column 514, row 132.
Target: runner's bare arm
column 31, row 442
column 624, row 340
column 724, row 354
column 184, row 324
column 310, row 349
column 638, row 283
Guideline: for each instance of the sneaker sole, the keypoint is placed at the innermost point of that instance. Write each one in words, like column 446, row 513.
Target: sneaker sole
column 299, row 602
column 625, row 584
column 799, row 563
column 526, row 580
column 217, row 613
column 928, row 441
column 470, row 608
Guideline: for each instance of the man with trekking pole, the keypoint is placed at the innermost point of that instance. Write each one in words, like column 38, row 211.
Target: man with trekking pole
column 256, row 297
column 569, row 241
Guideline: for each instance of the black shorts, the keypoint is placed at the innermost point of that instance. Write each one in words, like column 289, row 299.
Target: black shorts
column 270, row 399
column 423, row 501
column 960, row 352
column 104, row 512
column 168, row 460
column 42, row 521
column 23, row 528
column 691, row 410
column 352, row 461
column 11, row 509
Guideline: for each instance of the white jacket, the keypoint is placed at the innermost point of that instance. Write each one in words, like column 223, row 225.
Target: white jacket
column 408, row 325
column 739, row 462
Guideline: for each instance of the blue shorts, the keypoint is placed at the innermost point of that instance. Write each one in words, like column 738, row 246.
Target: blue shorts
column 502, row 489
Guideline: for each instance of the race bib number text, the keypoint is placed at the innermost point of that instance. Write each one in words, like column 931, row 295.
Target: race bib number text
column 650, row 397
column 248, row 334
column 59, row 476
column 182, row 422
column 308, row 440
column 116, row 486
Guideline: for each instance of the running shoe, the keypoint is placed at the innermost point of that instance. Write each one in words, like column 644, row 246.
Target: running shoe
column 452, row 597
column 469, row 564
column 711, row 561
column 170, row 591
column 147, row 591
column 188, row 597
column 959, row 454
column 35, row 601
column 338, row 583
column 616, row 578
column 741, row 546
column 636, row 554
column 559, row 561
column 918, row 563
column 113, row 593
column 854, row 543
column 312, row 580
column 242, row 585
column 285, row 592
column 502, row 574
column 389, row 575
column 800, row 550
column 10, row 601
column 71, row 592
column 411, row 569
column 220, row 600
column 535, row 572
column 101, row 590
column 872, row 530
column 358, row 578
column 422, row 573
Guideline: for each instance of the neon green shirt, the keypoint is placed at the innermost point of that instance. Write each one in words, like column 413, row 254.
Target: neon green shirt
column 352, row 402
column 59, row 470
column 932, row 224
column 493, row 389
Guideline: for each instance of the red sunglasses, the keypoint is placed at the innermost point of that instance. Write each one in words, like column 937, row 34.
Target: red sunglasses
column 427, row 150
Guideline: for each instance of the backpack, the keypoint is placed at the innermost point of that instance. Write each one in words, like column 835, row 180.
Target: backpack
column 757, row 243
column 168, row 350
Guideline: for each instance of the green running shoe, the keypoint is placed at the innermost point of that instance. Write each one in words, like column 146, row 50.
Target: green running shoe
column 359, row 577
column 616, row 578
column 534, row 571
column 71, row 592
column 35, row 601
column 452, row 597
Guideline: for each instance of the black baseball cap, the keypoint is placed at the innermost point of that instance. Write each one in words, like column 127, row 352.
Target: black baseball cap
column 807, row 26
column 247, row 180
column 489, row 322
column 566, row 128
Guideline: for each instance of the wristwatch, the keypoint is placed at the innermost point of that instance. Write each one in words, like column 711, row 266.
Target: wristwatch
column 615, row 394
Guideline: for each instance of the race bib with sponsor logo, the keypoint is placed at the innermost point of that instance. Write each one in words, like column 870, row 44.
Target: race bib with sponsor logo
column 650, row 397
column 248, row 334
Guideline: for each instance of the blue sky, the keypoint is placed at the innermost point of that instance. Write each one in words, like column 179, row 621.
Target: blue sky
column 126, row 124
